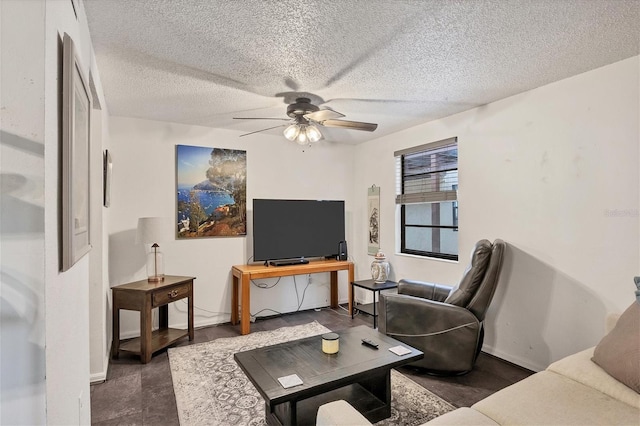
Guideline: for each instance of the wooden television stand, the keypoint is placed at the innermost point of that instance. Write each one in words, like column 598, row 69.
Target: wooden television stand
column 243, row 274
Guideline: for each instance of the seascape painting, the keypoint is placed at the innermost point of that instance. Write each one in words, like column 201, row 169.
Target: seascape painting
column 211, row 192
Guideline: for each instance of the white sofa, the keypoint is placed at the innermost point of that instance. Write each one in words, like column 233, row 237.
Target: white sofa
column 571, row 391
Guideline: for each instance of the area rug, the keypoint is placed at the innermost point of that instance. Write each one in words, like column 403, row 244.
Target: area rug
column 211, row 389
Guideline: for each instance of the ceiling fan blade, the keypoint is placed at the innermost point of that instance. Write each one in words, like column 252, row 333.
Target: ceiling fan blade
column 353, row 125
column 395, row 101
column 261, row 118
column 263, row 130
column 322, row 115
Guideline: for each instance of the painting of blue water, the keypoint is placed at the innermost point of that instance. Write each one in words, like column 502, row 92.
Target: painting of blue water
column 211, row 192
column 209, row 200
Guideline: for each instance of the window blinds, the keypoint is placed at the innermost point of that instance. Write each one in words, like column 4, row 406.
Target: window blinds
column 427, row 173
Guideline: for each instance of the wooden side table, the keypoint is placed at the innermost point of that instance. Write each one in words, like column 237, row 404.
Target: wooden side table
column 143, row 296
column 371, row 285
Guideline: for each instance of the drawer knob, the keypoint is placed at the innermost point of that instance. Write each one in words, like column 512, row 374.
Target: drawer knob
column 173, row 293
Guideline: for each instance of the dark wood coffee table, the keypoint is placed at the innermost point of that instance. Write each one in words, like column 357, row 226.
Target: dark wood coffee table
column 357, row 374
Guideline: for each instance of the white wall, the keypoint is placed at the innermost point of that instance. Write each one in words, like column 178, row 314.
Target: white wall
column 553, row 172
column 45, row 336
column 99, row 291
column 67, row 293
column 144, row 185
column 22, row 213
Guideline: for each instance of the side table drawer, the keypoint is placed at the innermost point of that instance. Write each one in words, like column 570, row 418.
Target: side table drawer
column 166, row 296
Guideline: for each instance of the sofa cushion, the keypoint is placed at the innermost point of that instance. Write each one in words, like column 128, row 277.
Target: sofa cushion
column 580, row 368
column 463, row 416
column 340, row 413
column 549, row 398
column 618, row 353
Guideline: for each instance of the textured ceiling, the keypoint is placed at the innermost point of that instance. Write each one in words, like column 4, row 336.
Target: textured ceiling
column 395, row 63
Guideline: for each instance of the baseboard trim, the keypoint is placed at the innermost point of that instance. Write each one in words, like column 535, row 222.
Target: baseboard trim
column 101, row 376
column 521, row 362
column 216, row 320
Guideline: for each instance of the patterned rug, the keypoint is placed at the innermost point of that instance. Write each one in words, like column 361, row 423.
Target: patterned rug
column 211, row 389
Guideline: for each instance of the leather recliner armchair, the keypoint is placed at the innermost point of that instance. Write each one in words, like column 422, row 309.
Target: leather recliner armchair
column 446, row 323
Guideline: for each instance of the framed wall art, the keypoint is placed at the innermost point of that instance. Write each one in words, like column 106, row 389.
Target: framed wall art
column 107, row 168
column 211, row 192
column 76, row 107
column 373, row 209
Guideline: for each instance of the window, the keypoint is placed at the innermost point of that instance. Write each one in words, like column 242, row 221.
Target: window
column 427, row 193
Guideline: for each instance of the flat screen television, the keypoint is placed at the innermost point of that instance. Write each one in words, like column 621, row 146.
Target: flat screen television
column 296, row 229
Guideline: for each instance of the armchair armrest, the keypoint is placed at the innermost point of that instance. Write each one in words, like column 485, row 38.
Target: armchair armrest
column 425, row 290
column 448, row 335
column 401, row 314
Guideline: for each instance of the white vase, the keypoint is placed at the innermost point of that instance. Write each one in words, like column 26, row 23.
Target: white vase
column 380, row 268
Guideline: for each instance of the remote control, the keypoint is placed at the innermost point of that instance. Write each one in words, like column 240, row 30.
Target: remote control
column 370, row 343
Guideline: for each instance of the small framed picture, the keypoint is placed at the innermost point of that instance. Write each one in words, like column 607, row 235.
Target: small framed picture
column 107, row 168
column 373, row 208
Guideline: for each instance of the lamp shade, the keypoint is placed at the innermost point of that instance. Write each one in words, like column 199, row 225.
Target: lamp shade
column 292, row 132
column 302, row 136
column 153, row 230
column 313, row 133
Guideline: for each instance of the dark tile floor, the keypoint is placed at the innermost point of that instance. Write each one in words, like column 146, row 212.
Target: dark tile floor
column 142, row 394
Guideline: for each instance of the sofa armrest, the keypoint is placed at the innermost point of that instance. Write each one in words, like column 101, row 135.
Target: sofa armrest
column 425, row 290
column 340, row 413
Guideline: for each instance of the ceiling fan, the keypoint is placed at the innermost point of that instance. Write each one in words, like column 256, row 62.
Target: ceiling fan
column 305, row 117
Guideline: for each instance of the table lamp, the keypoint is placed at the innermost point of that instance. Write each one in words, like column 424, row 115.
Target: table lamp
column 152, row 230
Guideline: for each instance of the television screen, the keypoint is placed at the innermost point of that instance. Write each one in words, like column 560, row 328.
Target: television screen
column 288, row 229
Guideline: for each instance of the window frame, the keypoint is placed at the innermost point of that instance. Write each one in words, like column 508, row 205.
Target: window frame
column 427, row 197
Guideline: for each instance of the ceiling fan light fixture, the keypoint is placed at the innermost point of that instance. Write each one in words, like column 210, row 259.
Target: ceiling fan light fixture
column 306, row 118
column 313, row 133
column 302, row 136
column 292, row 132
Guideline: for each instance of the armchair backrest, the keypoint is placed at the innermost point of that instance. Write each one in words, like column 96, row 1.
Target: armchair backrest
column 478, row 283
